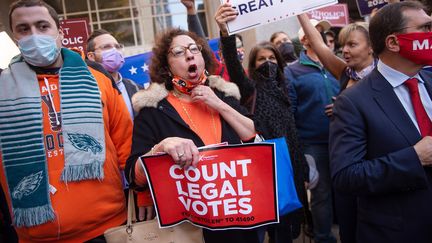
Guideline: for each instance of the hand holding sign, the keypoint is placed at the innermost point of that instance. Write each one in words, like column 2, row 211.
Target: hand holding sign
column 224, row 14
column 183, row 151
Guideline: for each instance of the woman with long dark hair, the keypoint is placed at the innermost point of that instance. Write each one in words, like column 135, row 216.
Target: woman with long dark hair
column 265, row 94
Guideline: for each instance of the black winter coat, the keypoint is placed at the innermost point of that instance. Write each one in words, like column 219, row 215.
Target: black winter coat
column 157, row 120
column 272, row 117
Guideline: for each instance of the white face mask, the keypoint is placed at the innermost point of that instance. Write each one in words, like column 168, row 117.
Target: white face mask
column 39, row 50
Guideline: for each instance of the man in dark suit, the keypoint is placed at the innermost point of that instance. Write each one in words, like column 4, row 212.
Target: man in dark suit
column 380, row 144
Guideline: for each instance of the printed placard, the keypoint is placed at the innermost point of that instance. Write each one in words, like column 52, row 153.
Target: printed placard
column 232, row 187
column 254, row 13
column 365, row 7
column 76, row 32
column 337, row 14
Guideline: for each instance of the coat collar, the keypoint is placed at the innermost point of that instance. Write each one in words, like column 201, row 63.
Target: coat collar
column 156, row 92
column 392, row 107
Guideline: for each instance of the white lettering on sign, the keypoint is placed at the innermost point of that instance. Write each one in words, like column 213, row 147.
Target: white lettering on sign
column 72, row 40
column 191, row 194
column 222, row 169
column 374, row 3
column 327, row 15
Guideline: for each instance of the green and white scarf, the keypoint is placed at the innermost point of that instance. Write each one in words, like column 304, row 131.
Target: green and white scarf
column 22, row 138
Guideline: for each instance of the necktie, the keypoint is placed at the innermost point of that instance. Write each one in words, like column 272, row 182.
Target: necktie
column 422, row 117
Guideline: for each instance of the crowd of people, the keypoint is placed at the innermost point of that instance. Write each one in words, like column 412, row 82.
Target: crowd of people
column 357, row 118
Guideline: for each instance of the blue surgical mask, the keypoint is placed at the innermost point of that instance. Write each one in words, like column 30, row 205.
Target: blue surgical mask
column 39, row 50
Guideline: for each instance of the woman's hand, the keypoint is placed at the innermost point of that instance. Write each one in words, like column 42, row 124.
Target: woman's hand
column 224, row 14
column 146, row 213
column 190, row 6
column 328, row 109
column 183, row 151
column 205, row 94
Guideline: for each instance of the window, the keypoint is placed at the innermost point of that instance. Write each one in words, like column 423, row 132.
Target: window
column 120, row 17
column 132, row 22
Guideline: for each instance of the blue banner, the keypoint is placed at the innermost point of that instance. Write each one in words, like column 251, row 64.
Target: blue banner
column 365, row 7
column 136, row 67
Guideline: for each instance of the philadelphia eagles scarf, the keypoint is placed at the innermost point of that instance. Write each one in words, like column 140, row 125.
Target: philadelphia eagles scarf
column 22, row 139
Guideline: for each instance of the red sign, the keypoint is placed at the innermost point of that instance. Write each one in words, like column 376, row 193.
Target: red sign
column 232, row 187
column 336, row 14
column 75, row 32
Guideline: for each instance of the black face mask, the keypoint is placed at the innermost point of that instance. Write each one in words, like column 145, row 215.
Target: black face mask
column 268, row 70
column 287, row 51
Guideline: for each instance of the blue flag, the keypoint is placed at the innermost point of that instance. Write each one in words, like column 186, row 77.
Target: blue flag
column 214, row 45
column 136, row 68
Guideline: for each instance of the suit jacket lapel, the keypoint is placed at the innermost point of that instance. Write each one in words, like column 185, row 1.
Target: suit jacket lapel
column 427, row 78
column 392, row 107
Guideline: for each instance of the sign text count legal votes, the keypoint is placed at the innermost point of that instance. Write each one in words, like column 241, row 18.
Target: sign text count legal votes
column 232, row 187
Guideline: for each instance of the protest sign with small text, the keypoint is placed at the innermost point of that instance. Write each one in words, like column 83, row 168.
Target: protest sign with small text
column 337, row 14
column 76, row 32
column 366, row 7
column 232, row 187
column 253, row 13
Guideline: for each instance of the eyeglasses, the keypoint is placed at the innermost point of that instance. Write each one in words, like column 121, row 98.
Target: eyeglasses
column 110, row 46
column 427, row 27
column 179, row 51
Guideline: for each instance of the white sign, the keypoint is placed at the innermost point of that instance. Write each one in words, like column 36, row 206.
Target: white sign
column 253, row 13
column 8, row 49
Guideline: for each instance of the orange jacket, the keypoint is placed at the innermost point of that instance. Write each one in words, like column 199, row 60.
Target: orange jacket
column 84, row 209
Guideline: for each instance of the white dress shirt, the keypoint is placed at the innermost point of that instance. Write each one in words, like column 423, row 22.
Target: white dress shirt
column 396, row 80
column 120, row 85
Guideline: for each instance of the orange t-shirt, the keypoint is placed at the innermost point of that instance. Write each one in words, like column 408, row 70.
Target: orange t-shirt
column 203, row 120
column 85, row 209
column 53, row 137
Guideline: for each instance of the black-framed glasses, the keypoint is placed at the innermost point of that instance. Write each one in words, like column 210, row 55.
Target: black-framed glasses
column 178, row 51
column 426, row 27
column 118, row 46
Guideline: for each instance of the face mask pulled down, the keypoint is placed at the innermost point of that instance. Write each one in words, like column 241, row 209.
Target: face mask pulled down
column 39, row 50
column 185, row 86
column 416, row 47
column 112, row 60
